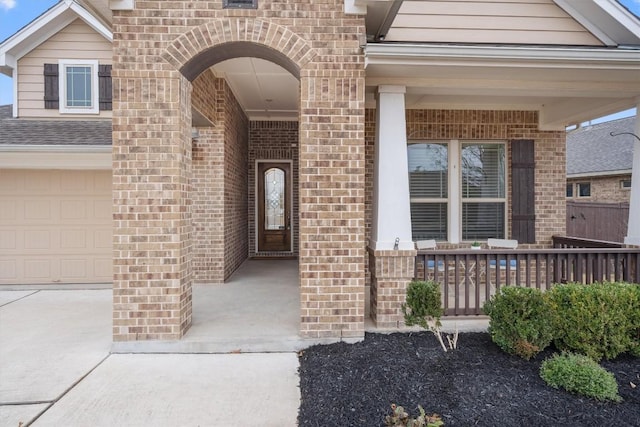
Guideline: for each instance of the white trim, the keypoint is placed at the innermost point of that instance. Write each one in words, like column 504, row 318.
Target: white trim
column 599, row 174
column 62, row 86
column 568, row 7
column 255, row 204
column 15, row 91
column 511, row 56
column 55, row 157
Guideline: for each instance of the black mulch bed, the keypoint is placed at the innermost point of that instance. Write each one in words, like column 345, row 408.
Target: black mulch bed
column 475, row 385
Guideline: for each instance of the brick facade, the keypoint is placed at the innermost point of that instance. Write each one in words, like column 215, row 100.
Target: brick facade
column 388, row 272
column 160, row 48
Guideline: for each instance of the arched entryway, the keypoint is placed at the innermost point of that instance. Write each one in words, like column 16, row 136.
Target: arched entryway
column 329, row 235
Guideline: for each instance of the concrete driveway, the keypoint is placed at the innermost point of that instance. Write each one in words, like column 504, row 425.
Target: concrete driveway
column 56, row 369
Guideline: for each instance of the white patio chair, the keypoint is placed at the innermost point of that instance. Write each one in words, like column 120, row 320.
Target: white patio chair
column 504, row 244
column 502, row 264
column 430, row 244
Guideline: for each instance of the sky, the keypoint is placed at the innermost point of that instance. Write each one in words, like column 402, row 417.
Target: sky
column 14, row 14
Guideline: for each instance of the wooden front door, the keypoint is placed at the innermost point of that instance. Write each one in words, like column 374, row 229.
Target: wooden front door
column 274, row 210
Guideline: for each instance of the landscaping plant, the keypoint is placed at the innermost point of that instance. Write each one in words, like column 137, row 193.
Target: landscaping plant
column 399, row 418
column 598, row 320
column 423, row 307
column 520, row 321
column 580, row 374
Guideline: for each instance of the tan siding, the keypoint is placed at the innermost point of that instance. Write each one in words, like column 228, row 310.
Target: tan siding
column 76, row 41
column 488, row 21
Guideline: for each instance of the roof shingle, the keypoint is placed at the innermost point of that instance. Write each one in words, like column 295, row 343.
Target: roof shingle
column 592, row 149
column 52, row 132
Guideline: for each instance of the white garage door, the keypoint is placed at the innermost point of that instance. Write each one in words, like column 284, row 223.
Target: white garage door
column 55, row 226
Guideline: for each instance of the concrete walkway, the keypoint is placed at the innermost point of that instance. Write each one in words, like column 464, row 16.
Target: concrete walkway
column 56, row 369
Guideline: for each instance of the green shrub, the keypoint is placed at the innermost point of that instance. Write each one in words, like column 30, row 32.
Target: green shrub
column 423, row 304
column 598, row 320
column 581, row 375
column 520, row 321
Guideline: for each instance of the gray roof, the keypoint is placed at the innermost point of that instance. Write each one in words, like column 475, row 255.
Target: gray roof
column 52, row 132
column 591, row 149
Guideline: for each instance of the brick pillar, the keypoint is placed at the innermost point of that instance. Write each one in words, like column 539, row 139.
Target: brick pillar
column 391, row 271
column 152, row 212
column 331, row 189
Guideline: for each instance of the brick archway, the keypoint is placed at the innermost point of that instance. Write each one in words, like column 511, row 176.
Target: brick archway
column 222, row 39
column 153, row 83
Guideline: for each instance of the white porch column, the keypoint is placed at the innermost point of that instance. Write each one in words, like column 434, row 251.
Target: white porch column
column 633, row 227
column 391, row 204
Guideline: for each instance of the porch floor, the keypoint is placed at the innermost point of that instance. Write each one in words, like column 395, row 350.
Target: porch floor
column 256, row 310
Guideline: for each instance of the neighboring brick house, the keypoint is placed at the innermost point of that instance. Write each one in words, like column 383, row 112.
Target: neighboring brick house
column 599, row 165
column 409, row 120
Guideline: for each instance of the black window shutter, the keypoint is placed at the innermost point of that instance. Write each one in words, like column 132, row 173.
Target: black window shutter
column 523, row 219
column 105, row 89
column 51, row 97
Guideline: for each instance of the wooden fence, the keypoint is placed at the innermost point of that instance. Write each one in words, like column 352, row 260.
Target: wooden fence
column 600, row 221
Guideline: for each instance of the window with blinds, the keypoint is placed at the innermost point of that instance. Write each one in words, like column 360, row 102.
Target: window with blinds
column 428, row 186
column 483, row 190
column 480, row 194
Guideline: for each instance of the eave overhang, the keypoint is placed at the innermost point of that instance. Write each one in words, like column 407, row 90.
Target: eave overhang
column 567, row 85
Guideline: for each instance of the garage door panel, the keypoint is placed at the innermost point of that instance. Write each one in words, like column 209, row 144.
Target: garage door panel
column 38, row 210
column 8, row 210
column 8, row 270
column 37, row 239
column 37, row 270
column 73, row 209
column 40, row 181
column 73, row 239
column 8, row 240
column 103, row 269
column 11, row 181
column 73, row 269
column 56, row 228
column 75, row 182
column 102, row 239
column 102, row 209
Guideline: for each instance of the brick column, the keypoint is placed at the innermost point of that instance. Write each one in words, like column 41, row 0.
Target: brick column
column 391, row 271
column 331, row 177
column 152, row 212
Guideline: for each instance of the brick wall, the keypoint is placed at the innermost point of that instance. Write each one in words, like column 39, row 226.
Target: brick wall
column 276, row 140
column 606, row 189
column 236, row 146
column 156, row 43
column 208, row 182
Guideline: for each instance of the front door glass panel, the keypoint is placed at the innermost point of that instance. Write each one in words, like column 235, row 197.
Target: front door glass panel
column 274, row 203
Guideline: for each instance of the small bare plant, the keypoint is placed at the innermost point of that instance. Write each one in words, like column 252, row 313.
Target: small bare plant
column 400, row 418
column 423, row 308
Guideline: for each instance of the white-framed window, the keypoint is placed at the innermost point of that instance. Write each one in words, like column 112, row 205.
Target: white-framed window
column 78, row 83
column 625, row 184
column 583, row 189
column 569, row 190
column 458, row 190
